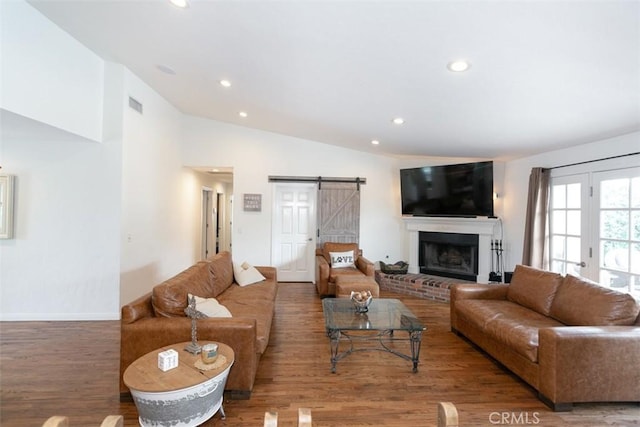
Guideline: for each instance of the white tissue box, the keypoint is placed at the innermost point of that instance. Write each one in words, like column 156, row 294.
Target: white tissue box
column 168, row 359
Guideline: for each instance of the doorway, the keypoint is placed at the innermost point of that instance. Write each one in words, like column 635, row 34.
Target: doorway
column 594, row 218
column 209, row 225
column 294, row 225
column 216, row 210
column 223, row 222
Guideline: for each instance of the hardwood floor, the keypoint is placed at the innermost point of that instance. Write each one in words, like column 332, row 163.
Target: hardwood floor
column 71, row 368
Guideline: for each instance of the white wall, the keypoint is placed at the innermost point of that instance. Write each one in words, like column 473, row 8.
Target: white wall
column 63, row 263
column 256, row 155
column 47, row 75
column 97, row 225
column 516, row 182
column 160, row 197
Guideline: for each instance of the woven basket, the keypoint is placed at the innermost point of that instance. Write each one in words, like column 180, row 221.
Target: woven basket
column 399, row 267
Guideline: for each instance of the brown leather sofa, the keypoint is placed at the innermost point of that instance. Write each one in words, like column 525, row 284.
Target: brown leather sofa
column 570, row 339
column 158, row 319
column 326, row 274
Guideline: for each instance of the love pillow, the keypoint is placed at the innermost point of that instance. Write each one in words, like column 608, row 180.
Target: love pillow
column 341, row 259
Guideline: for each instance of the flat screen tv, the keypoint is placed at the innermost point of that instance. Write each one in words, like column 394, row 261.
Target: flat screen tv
column 463, row 190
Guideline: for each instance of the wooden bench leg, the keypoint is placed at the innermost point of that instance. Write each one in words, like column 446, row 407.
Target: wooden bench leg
column 447, row 415
column 113, row 421
column 304, row 417
column 56, row 421
column 270, row 419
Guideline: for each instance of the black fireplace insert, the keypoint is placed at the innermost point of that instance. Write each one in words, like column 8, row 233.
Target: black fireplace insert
column 452, row 255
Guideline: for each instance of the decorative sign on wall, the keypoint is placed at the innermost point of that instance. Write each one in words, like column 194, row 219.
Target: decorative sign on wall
column 6, row 206
column 252, row 202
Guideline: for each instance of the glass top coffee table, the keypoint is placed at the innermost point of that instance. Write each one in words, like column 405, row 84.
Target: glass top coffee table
column 378, row 324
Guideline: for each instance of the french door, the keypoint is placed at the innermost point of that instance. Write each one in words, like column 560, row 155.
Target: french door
column 569, row 225
column 617, row 228
column 594, row 227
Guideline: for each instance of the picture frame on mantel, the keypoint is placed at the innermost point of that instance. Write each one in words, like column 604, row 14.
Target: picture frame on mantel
column 6, row 206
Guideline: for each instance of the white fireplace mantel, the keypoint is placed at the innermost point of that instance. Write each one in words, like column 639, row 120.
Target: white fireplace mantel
column 482, row 226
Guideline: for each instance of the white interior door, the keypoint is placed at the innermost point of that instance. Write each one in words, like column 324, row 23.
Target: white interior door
column 208, row 224
column 293, row 231
column 221, row 223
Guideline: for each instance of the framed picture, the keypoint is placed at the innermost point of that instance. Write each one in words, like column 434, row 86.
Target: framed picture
column 6, row 206
column 252, row 202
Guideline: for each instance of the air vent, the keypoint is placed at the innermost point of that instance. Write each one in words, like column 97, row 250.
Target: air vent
column 134, row 104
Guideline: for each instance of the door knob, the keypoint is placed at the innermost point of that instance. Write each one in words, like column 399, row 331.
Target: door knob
column 581, row 264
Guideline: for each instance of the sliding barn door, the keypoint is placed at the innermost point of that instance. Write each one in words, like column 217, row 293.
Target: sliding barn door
column 338, row 213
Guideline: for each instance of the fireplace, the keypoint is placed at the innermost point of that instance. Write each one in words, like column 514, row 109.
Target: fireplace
column 452, row 255
column 481, row 227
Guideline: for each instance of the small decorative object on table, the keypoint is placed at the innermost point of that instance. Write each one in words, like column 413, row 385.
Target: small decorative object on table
column 361, row 300
column 209, row 358
column 191, row 312
column 399, row 267
column 168, row 360
column 209, row 353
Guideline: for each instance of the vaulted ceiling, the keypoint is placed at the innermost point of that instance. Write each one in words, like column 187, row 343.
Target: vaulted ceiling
column 543, row 75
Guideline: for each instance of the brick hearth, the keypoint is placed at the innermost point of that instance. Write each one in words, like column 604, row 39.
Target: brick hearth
column 418, row 285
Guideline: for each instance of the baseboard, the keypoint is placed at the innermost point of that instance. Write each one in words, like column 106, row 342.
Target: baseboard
column 556, row 406
column 237, row 394
column 58, row 317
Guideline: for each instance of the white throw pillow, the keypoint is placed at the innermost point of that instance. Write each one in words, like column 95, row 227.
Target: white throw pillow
column 211, row 307
column 341, row 259
column 246, row 274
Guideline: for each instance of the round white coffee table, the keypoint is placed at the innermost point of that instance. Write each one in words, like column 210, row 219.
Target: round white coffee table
column 181, row 397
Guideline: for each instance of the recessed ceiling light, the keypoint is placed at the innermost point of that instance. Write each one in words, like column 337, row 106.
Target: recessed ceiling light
column 458, row 66
column 398, row 121
column 215, row 170
column 182, row 4
column 225, row 83
column 375, row 142
column 243, row 114
column 166, row 69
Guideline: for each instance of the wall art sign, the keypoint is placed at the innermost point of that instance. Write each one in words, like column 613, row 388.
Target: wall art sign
column 252, row 202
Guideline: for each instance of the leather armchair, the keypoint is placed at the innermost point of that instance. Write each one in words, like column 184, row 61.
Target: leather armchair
column 326, row 275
